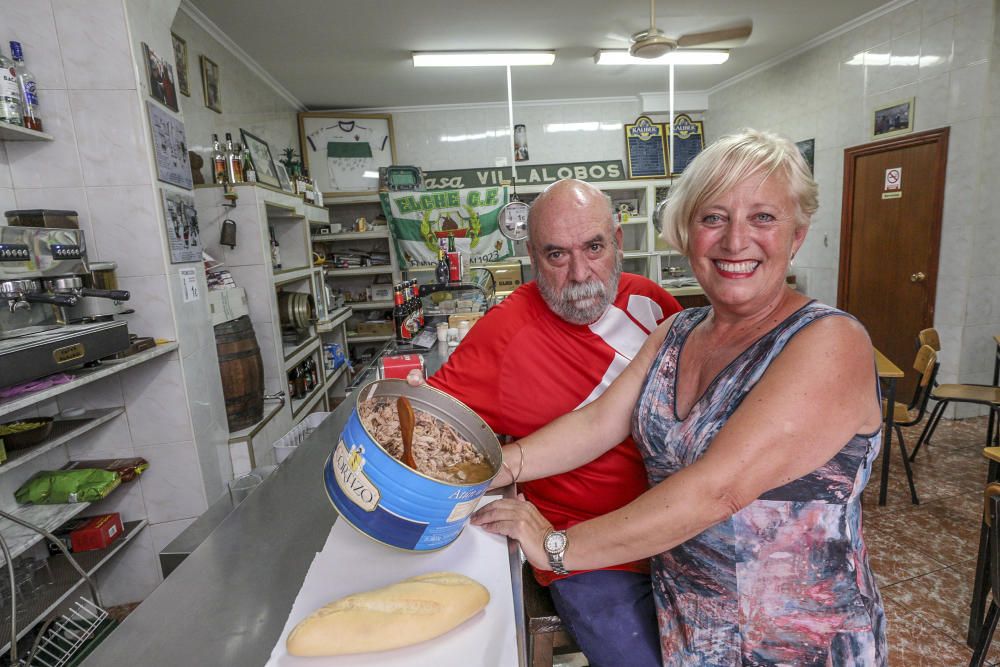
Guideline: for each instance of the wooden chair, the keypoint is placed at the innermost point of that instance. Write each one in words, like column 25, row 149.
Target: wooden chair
column 546, row 634
column 929, row 337
column 977, row 394
column 911, row 414
column 991, row 517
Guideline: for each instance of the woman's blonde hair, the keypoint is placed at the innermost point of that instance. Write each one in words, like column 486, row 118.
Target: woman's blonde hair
column 724, row 164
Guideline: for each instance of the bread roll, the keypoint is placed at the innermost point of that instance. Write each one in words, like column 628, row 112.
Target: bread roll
column 407, row 612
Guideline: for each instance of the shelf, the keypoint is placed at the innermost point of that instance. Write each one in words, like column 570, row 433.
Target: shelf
column 367, row 339
column 336, row 375
column 689, row 290
column 336, row 318
column 634, row 254
column 361, row 271
column 636, row 220
column 254, row 429
column 84, row 376
column 66, row 580
column 63, row 431
column 282, row 276
column 372, row 305
column 303, row 404
column 420, row 269
column 351, row 236
column 282, row 212
column 667, row 253
column 295, row 354
column 14, row 133
column 334, row 200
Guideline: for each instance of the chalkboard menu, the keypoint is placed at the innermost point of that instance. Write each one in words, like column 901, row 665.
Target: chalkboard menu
column 646, row 149
column 687, row 142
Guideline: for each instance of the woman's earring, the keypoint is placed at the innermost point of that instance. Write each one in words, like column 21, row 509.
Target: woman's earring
column 791, row 260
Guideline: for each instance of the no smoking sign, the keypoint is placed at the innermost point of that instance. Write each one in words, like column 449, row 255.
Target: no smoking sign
column 893, row 179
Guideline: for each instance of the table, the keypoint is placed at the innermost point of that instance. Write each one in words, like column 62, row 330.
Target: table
column 888, row 372
column 227, row 602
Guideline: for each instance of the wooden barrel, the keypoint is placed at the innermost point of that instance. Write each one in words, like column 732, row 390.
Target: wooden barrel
column 242, row 371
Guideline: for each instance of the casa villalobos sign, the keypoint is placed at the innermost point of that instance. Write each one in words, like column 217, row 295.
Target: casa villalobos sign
column 541, row 174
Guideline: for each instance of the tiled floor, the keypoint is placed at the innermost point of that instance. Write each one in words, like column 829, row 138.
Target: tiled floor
column 924, row 556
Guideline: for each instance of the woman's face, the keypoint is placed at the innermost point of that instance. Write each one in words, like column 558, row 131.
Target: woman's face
column 740, row 243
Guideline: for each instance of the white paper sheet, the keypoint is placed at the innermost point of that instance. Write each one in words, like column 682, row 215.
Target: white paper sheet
column 351, row 562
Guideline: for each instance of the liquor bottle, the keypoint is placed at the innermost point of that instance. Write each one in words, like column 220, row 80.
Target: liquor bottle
column 454, row 262
column 441, row 270
column 234, row 161
column 218, row 161
column 10, row 93
column 275, row 250
column 417, row 302
column 249, row 173
column 399, row 316
column 293, row 376
column 29, row 93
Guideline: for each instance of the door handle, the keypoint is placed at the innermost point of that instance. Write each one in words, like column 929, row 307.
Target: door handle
column 918, row 277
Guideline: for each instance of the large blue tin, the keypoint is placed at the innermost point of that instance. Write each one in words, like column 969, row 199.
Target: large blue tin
column 392, row 503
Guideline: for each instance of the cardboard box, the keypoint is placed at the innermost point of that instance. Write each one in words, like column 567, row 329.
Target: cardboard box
column 376, row 328
column 227, row 305
column 90, row 533
column 471, row 318
column 379, row 293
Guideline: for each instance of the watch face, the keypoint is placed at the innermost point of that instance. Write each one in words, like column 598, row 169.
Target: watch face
column 555, row 542
column 513, row 220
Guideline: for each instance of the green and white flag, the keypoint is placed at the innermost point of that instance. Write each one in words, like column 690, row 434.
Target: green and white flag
column 418, row 220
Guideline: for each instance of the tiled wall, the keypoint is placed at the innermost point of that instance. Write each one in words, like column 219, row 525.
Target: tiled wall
column 945, row 54
column 99, row 164
column 247, row 102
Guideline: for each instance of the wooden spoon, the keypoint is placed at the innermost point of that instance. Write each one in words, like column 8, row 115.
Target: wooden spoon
column 406, row 422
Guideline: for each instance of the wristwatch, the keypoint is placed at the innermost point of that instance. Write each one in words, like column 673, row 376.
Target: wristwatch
column 555, row 544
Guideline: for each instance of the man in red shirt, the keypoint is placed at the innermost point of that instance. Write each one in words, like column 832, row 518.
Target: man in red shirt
column 555, row 345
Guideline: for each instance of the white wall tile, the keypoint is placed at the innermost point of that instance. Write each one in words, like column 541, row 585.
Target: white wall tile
column 49, row 164
column 934, row 10
column 933, row 102
column 937, row 48
column 95, row 53
column 7, row 202
column 968, row 92
column 156, row 404
column 126, row 500
column 151, row 300
column 132, row 574
column 163, row 534
column 127, row 229
column 905, row 19
column 71, row 199
column 172, row 487
column 31, row 23
column 109, row 440
column 103, row 393
column 113, row 147
column 973, row 22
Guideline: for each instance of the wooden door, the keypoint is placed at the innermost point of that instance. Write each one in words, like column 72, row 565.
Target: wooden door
column 889, row 241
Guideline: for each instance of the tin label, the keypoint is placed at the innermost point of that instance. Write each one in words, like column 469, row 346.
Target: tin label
column 462, row 510
column 348, row 468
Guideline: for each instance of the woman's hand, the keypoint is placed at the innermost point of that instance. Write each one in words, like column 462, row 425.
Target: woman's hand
column 518, row 520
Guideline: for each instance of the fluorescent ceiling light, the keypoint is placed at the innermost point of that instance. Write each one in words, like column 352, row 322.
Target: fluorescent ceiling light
column 482, row 58
column 679, row 57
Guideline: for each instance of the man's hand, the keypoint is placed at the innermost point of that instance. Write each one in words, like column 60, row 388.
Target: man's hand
column 518, row 520
column 415, row 378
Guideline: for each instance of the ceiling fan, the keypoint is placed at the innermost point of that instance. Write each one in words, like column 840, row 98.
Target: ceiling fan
column 654, row 43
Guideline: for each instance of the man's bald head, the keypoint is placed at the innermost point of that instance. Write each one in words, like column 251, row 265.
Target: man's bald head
column 569, row 198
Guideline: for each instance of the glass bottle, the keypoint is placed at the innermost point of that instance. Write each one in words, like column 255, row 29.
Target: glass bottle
column 233, row 172
column 399, row 315
column 249, row 173
column 275, row 250
column 10, row 93
column 218, row 161
column 29, row 93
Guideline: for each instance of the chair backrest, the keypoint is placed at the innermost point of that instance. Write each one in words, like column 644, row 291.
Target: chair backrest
column 926, row 364
column 930, row 337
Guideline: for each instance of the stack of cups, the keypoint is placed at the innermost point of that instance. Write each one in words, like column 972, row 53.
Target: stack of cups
column 463, row 328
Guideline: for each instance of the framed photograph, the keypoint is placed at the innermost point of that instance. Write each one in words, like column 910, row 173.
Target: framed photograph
column 160, row 76
column 260, row 155
column 211, row 85
column 646, row 149
column 169, row 147
column 181, row 62
column 808, row 149
column 520, row 143
column 183, row 234
column 894, row 119
column 343, row 152
column 286, row 183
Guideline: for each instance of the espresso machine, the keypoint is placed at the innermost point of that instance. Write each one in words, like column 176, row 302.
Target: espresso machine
column 43, row 277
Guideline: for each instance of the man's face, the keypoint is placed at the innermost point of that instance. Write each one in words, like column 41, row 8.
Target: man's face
column 576, row 259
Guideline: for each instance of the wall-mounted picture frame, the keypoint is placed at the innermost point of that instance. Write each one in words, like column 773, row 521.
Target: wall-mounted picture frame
column 181, row 62
column 263, row 162
column 343, row 152
column 686, row 142
column 210, row 84
column 286, row 183
column 520, row 143
column 894, row 119
column 646, row 149
column 183, row 232
column 160, row 77
column 808, row 149
column 169, row 147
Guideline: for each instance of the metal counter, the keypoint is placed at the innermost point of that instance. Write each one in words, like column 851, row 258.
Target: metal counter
column 227, row 602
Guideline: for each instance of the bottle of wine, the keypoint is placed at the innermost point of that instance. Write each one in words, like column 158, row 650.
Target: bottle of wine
column 249, row 173
column 400, row 316
column 218, row 161
column 233, row 170
column 275, row 250
column 30, row 112
column 10, row 93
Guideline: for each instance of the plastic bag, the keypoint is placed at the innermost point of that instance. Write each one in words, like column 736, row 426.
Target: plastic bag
column 49, row 487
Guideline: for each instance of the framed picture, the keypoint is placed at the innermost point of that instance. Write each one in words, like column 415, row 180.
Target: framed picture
column 181, row 62
column 260, row 155
column 211, row 85
column 343, row 152
column 286, row 183
column 160, row 76
column 520, row 143
column 169, row 147
column 183, row 233
column 894, row 119
column 808, row 149
column 646, row 149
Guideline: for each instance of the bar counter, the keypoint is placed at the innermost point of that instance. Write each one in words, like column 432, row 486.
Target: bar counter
column 227, row 602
